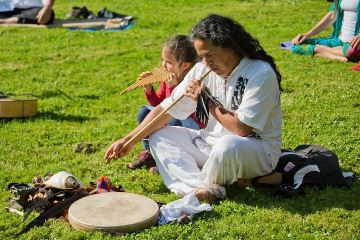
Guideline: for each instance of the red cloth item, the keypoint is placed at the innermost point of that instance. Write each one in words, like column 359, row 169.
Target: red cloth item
column 356, row 67
column 155, row 98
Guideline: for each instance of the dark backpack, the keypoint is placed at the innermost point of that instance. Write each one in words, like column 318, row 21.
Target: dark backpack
column 310, row 165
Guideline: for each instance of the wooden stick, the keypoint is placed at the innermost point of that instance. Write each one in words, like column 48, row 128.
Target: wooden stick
column 150, row 124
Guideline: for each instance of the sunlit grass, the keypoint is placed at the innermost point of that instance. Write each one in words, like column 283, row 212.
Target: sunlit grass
column 78, row 77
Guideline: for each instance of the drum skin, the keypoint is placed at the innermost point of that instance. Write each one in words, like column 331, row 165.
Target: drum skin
column 18, row 107
column 113, row 212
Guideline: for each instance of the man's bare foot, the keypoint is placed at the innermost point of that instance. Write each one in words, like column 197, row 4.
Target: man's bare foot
column 204, row 195
column 273, row 178
column 243, row 183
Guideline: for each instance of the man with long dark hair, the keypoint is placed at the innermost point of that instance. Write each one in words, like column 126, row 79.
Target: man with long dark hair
column 242, row 138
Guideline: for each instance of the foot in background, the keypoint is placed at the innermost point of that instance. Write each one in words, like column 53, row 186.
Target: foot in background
column 145, row 159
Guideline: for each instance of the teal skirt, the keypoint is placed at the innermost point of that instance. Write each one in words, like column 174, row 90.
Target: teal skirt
column 307, row 48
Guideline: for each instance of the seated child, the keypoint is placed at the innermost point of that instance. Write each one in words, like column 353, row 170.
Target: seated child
column 178, row 57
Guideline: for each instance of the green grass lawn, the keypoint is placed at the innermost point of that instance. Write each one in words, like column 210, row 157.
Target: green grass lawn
column 78, row 77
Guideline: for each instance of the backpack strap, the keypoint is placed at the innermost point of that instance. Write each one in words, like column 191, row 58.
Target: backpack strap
column 300, row 174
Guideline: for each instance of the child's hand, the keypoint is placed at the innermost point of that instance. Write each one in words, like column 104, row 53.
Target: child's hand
column 148, row 87
column 171, row 80
column 300, row 38
column 144, row 75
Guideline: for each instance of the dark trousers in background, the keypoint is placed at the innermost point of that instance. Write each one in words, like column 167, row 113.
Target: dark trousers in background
column 26, row 16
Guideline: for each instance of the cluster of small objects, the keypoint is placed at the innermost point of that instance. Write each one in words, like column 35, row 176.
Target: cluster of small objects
column 35, row 196
column 52, row 195
column 45, row 192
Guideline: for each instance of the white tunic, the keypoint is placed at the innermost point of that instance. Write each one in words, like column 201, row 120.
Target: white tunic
column 350, row 18
column 188, row 159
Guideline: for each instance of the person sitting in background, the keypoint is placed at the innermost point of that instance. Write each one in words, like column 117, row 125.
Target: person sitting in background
column 178, row 57
column 27, row 11
column 344, row 44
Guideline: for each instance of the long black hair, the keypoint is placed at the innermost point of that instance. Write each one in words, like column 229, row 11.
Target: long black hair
column 227, row 33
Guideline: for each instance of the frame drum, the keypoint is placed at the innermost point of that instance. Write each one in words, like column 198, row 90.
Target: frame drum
column 113, row 212
column 13, row 107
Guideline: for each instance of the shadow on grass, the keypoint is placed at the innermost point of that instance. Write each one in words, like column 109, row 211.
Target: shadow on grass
column 50, row 116
column 312, row 201
column 59, row 93
column 287, row 90
column 54, row 93
column 63, row 117
column 89, row 97
column 162, row 189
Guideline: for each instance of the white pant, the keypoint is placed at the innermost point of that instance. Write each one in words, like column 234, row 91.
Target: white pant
column 186, row 165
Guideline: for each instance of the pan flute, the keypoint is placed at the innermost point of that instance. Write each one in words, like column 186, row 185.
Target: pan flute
column 158, row 74
column 21, row 106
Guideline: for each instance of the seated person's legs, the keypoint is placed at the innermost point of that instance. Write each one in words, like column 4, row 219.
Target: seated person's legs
column 187, row 123
column 25, row 16
column 10, row 20
column 331, row 48
column 334, row 53
column 233, row 158
column 273, row 178
column 238, row 157
column 143, row 112
column 145, row 158
column 190, row 123
column 174, row 122
column 8, row 17
column 30, row 16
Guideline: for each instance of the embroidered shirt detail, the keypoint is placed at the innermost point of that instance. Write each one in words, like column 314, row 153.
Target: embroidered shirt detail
column 238, row 92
